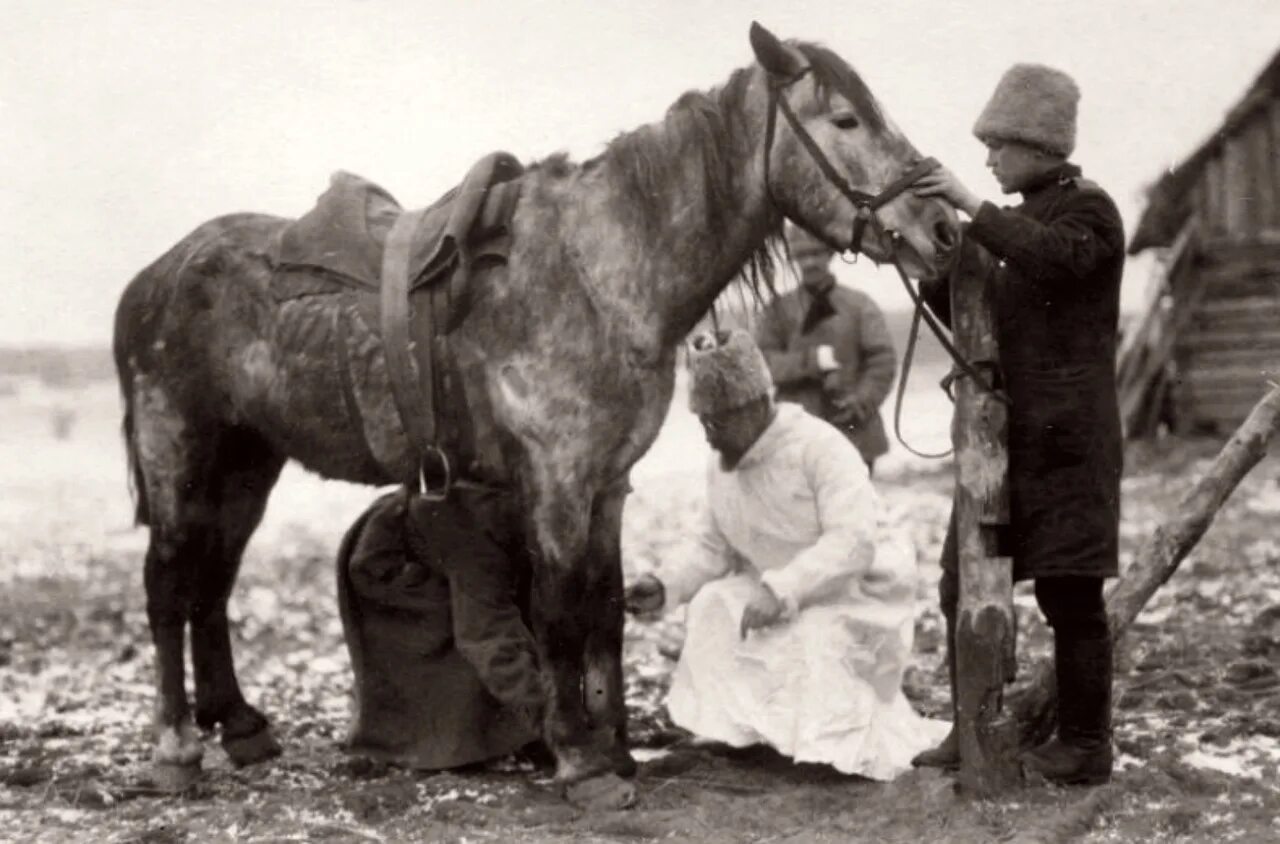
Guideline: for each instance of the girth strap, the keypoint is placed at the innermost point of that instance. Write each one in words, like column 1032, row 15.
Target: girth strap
column 412, row 382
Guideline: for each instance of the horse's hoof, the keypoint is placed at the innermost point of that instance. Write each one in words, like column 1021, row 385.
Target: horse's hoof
column 605, row 793
column 624, row 764
column 251, row 749
column 174, row 777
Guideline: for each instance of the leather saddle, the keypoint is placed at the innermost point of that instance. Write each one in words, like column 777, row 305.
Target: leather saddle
column 339, row 244
column 419, row 264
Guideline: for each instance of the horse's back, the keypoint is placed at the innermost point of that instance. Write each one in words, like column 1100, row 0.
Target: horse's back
column 173, row 315
column 209, row 325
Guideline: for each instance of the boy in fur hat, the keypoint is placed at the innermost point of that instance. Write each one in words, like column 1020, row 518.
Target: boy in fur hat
column 828, row 348
column 1060, row 255
column 801, row 604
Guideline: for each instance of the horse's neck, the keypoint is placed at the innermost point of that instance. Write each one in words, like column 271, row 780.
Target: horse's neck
column 695, row 232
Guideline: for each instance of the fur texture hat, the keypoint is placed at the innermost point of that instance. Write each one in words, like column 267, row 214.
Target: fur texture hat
column 1034, row 105
column 726, row 371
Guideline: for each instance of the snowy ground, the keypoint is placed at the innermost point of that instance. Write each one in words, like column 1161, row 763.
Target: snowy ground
column 1198, row 694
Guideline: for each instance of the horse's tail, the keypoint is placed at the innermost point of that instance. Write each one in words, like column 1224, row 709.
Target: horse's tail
column 124, row 341
column 137, row 488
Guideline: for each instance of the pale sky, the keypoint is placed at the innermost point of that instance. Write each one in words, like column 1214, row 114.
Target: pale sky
column 123, row 124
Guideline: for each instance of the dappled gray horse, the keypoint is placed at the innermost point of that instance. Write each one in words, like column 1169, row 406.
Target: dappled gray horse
column 566, row 358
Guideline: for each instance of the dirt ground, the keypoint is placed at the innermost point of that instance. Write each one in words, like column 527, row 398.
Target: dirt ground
column 1197, row 696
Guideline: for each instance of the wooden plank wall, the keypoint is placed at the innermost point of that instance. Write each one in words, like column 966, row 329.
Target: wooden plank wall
column 1238, row 194
column 1230, row 298
column 1230, row 347
column 1274, row 157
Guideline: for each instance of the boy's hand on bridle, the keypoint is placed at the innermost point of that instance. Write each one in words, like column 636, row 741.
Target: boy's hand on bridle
column 942, row 183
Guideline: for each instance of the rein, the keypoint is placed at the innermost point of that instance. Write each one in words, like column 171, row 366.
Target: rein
column 865, row 206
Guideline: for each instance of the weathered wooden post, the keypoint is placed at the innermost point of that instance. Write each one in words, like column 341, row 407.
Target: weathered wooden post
column 985, row 627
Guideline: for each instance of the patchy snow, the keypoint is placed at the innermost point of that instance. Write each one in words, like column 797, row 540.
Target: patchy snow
column 1266, row 499
column 1253, row 757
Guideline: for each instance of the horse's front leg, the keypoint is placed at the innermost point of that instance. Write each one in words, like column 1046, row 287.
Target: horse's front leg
column 561, row 625
column 603, row 687
column 563, row 620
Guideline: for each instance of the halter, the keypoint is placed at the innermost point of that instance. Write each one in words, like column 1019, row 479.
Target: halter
column 865, row 204
column 865, row 207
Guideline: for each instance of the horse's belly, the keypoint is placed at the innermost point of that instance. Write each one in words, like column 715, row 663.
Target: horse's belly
column 310, row 385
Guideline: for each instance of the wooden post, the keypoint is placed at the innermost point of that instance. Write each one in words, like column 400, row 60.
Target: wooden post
column 985, row 630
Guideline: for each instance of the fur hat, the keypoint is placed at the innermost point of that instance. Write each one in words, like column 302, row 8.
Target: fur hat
column 726, row 371
column 1035, row 105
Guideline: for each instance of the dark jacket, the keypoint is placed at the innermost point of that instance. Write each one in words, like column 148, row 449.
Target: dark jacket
column 446, row 669
column 1060, row 258
column 858, row 336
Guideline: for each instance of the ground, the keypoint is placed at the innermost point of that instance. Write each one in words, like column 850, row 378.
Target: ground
column 1197, row 697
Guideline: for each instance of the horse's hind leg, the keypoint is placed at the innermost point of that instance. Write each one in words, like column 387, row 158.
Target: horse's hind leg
column 240, row 481
column 171, row 466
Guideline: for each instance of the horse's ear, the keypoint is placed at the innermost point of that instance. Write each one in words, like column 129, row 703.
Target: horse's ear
column 778, row 59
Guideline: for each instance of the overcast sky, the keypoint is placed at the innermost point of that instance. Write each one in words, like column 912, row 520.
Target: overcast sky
column 123, row 124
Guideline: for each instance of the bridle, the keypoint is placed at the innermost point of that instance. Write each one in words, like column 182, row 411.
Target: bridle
column 865, row 207
column 865, row 204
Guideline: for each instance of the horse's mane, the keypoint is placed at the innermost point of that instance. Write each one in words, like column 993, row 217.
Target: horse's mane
column 647, row 163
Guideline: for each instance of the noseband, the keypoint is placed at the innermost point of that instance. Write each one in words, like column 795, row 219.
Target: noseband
column 865, row 207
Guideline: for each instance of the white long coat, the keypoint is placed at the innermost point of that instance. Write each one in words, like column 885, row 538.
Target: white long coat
column 799, row 513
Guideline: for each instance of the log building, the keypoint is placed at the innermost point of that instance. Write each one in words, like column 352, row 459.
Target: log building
column 1202, row 351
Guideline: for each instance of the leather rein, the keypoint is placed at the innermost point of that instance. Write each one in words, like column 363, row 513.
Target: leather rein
column 865, row 207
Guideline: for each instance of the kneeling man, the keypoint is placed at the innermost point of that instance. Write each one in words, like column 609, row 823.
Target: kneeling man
column 802, row 604
column 446, row 670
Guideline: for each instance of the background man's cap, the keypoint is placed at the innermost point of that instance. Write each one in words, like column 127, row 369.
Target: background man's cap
column 800, row 242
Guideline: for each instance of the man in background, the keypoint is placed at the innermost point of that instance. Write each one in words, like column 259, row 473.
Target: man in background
column 828, row 348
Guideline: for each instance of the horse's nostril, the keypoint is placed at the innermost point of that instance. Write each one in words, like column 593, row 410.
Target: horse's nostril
column 944, row 234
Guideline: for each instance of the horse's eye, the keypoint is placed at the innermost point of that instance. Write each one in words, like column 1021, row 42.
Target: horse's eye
column 845, row 121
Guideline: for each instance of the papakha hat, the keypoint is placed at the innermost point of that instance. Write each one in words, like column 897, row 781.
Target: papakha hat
column 726, row 371
column 1035, row 105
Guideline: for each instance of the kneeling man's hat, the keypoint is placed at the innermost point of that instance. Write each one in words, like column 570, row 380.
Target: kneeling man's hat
column 726, row 371
column 1035, row 105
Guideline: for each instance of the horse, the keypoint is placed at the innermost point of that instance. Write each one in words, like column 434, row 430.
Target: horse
column 567, row 359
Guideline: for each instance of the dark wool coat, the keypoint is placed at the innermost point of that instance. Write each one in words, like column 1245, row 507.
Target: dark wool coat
column 1060, row 257
column 446, row 669
column 857, row 333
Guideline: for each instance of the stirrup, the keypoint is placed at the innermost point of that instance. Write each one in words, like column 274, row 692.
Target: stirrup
column 442, row 492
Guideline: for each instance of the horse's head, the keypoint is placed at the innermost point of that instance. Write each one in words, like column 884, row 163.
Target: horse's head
column 832, row 147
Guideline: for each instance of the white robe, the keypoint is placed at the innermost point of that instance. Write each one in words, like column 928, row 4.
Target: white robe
column 799, row 513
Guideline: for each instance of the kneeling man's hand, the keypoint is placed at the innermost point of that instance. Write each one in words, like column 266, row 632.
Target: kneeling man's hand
column 645, row 595
column 764, row 609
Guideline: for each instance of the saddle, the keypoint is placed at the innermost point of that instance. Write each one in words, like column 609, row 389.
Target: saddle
column 419, row 264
